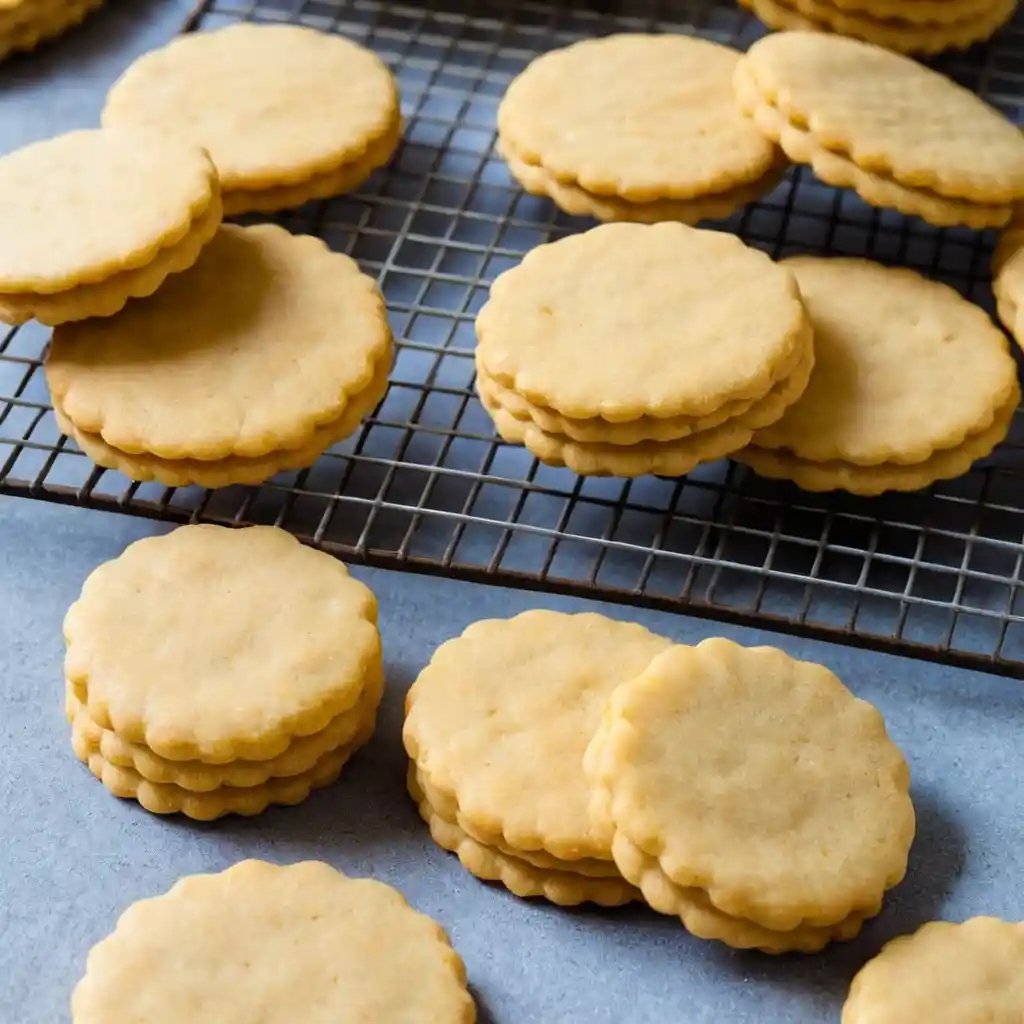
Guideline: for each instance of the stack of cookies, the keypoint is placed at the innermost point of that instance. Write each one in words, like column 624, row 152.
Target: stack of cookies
column 906, row 26
column 751, row 795
column 635, row 128
column 288, row 114
column 911, row 384
column 633, row 349
column 214, row 671
column 94, row 218
column 24, row 24
column 903, row 136
column 267, row 351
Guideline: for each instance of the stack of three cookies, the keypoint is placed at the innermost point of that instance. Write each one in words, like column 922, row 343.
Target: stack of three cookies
column 633, row 349
column 582, row 759
column 215, row 671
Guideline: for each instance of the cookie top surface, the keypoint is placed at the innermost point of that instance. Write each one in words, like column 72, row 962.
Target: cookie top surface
column 81, row 207
column 945, row 974
column 274, row 104
column 638, row 116
column 213, row 644
column 891, row 115
column 759, row 779
column 904, row 366
column 274, row 944
column 262, row 341
column 627, row 320
column 501, row 717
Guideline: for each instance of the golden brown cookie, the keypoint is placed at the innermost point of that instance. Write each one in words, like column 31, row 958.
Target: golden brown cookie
column 27, row 23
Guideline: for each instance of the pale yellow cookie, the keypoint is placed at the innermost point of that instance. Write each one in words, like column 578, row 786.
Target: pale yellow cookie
column 638, row 117
column 301, row 756
column 890, row 115
column 580, row 203
column 893, row 33
column 259, row 942
column 877, row 189
column 520, row 877
column 944, row 974
column 215, row 644
column 758, row 779
column 745, row 413
column 500, row 718
column 27, row 25
column 261, row 344
column 629, row 320
column 277, row 106
column 1008, row 276
column 142, row 207
column 233, row 469
column 873, row 325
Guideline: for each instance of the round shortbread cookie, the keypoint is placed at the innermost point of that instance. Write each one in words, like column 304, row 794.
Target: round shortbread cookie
column 877, row 189
column 32, row 24
column 870, row 324
column 215, row 644
column 233, row 469
column 944, row 974
column 918, row 12
column 893, row 33
column 300, row 757
column 277, row 945
column 630, row 320
column 1008, row 277
column 891, row 115
column 262, row 343
column 500, row 718
column 759, row 779
column 524, row 879
column 274, row 104
column 130, row 195
column 580, row 203
column 746, row 413
column 869, row 481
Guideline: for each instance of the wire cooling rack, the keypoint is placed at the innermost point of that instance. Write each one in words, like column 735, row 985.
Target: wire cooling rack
column 426, row 484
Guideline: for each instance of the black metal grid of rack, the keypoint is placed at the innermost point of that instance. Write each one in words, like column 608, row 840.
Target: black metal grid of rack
column 426, row 484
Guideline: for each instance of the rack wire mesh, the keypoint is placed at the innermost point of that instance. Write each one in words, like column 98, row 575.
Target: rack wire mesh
column 426, row 484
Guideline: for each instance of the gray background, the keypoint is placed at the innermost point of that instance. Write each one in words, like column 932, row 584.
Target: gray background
column 73, row 857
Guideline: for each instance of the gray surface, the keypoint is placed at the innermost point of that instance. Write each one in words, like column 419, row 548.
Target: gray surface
column 75, row 857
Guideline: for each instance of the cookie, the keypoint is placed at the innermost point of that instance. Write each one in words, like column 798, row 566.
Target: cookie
column 944, row 973
column 287, row 113
column 720, row 763
column 918, row 12
column 709, row 320
column 28, row 23
column 500, row 718
column 565, row 888
column 892, row 32
column 1008, row 277
column 268, row 345
column 212, row 644
column 890, row 115
column 873, row 188
column 274, row 944
column 862, row 409
column 143, row 208
column 635, row 127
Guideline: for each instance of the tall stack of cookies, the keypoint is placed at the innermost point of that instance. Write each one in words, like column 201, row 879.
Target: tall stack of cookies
column 215, row 671
column 598, row 354
column 635, row 128
column 24, row 24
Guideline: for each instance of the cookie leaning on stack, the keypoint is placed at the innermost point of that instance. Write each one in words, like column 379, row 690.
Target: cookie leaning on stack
column 257, row 359
column 275, row 944
column 215, row 671
column 94, row 218
column 24, row 24
column 751, row 795
column 635, row 128
column 903, row 136
column 495, row 729
column 288, row 114
column 867, row 425
column 633, row 349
